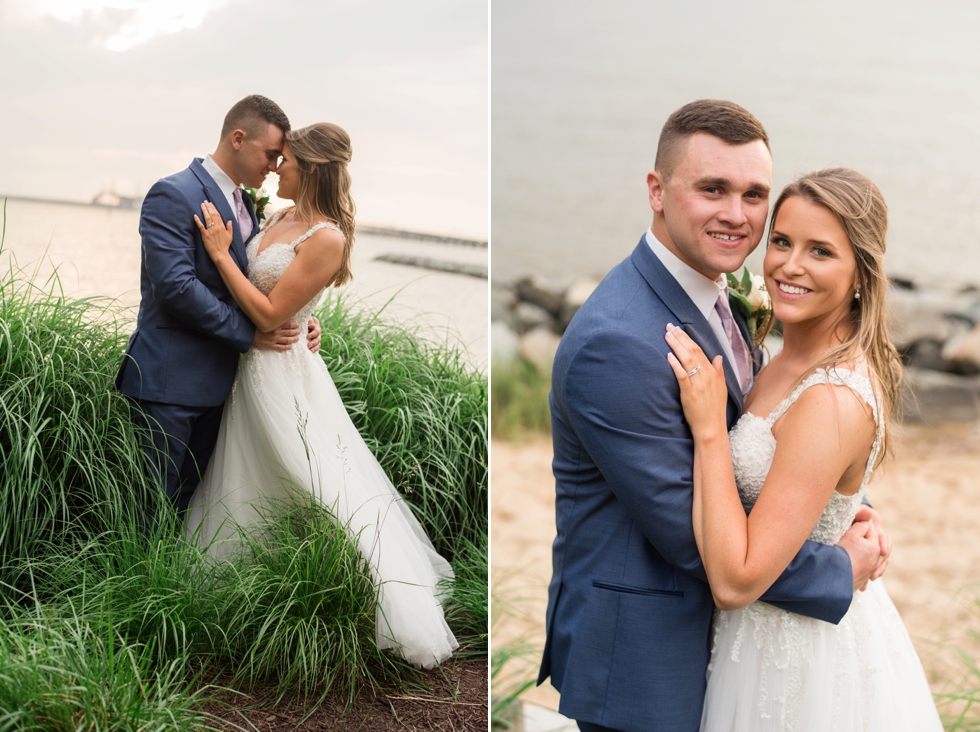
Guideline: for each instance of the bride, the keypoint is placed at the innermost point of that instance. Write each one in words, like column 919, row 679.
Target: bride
column 284, row 426
column 796, row 467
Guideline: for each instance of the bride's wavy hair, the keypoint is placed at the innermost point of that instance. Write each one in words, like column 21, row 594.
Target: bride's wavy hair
column 322, row 152
column 861, row 210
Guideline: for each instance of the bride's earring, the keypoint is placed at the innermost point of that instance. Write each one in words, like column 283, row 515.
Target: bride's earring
column 857, row 292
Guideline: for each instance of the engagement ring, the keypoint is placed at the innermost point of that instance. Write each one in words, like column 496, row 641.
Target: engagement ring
column 211, row 223
column 694, row 370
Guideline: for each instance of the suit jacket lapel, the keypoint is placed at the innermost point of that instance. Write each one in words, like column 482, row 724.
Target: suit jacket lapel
column 680, row 304
column 216, row 197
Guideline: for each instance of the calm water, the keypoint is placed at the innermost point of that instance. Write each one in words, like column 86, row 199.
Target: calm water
column 97, row 252
column 579, row 95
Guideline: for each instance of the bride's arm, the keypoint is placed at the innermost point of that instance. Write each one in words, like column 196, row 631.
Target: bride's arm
column 317, row 260
column 824, row 438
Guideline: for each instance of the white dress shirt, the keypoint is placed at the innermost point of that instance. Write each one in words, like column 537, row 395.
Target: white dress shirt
column 225, row 183
column 702, row 291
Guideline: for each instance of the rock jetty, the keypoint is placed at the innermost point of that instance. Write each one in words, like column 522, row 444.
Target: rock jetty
column 937, row 332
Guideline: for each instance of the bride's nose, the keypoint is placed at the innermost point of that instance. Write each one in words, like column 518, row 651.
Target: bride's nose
column 794, row 264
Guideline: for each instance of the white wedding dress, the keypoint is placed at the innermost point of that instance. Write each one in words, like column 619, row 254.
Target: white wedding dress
column 284, row 427
column 772, row 670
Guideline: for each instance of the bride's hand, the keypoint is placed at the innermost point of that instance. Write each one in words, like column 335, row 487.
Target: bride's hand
column 704, row 393
column 217, row 238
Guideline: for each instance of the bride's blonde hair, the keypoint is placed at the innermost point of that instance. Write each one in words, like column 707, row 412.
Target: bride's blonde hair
column 861, row 210
column 322, row 152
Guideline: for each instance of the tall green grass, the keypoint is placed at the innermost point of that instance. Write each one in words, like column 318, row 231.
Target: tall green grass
column 422, row 412
column 519, row 399
column 69, row 460
column 72, row 673
column 294, row 611
column 83, row 587
column 466, row 610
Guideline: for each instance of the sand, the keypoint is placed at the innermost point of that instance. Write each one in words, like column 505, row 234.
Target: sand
column 928, row 496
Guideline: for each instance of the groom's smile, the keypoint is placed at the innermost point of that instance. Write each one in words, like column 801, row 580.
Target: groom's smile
column 720, row 236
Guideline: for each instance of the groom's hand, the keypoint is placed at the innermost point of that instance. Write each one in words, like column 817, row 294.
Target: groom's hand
column 864, row 550
column 313, row 335
column 280, row 339
column 866, row 513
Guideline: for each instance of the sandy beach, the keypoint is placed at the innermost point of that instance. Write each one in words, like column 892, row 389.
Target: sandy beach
column 97, row 252
column 928, row 495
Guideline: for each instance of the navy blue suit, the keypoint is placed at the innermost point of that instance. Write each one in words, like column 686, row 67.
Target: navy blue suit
column 181, row 359
column 629, row 607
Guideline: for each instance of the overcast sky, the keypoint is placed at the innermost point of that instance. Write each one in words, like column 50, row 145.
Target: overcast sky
column 100, row 93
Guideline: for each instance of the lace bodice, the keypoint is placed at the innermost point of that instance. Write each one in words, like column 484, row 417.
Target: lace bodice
column 753, row 447
column 265, row 269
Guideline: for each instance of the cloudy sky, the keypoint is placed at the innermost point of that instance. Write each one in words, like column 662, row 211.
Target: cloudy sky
column 100, row 93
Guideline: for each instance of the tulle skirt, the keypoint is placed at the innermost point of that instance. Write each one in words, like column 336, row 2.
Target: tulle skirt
column 285, row 428
column 772, row 671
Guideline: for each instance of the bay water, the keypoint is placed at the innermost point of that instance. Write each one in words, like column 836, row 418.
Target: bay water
column 580, row 91
column 91, row 251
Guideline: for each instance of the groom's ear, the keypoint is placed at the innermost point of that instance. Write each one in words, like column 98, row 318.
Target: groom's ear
column 655, row 184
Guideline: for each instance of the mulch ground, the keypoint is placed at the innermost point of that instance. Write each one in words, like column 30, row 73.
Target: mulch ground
column 456, row 699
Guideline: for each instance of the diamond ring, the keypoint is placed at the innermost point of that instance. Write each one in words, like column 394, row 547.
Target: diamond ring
column 694, row 370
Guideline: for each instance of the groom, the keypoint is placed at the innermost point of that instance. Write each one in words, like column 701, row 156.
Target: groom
column 181, row 359
column 629, row 607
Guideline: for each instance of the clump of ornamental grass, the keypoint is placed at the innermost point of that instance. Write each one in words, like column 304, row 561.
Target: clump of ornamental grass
column 466, row 608
column 291, row 607
column 66, row 673
column 69, row 458
column 296, row 609
column 422, row 412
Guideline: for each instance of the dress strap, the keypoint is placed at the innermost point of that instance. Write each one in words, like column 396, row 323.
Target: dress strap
column 856, row 382
column 309, row 232
column 853, row 379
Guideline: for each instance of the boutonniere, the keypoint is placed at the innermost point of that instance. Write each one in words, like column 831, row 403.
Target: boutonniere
column 748, row 295
column 260, row 199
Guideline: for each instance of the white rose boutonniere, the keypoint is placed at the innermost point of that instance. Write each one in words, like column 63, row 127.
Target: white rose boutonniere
column 260, row 199
column 748, row 295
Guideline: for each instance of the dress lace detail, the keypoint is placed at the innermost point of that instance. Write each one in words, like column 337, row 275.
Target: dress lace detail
column 775, row 670
column 753, row 447
column 265, row 268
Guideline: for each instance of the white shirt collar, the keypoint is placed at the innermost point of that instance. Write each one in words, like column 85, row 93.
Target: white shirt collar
column 225, row 184
column 702, row 291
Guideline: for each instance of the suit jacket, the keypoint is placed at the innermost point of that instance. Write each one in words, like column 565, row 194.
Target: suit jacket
column 629, row 607
column 189, row 331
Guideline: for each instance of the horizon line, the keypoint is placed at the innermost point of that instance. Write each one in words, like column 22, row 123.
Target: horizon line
column 365, row 228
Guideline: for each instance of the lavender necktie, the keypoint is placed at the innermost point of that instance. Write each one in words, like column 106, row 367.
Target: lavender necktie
column 244, row 220
column 743, row 363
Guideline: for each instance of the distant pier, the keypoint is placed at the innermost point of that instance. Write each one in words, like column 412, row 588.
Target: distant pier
column 105, row 199
column 112, row 200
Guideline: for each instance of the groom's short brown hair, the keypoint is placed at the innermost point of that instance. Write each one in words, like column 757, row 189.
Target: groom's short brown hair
column 725, row 120
column 254, row 114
